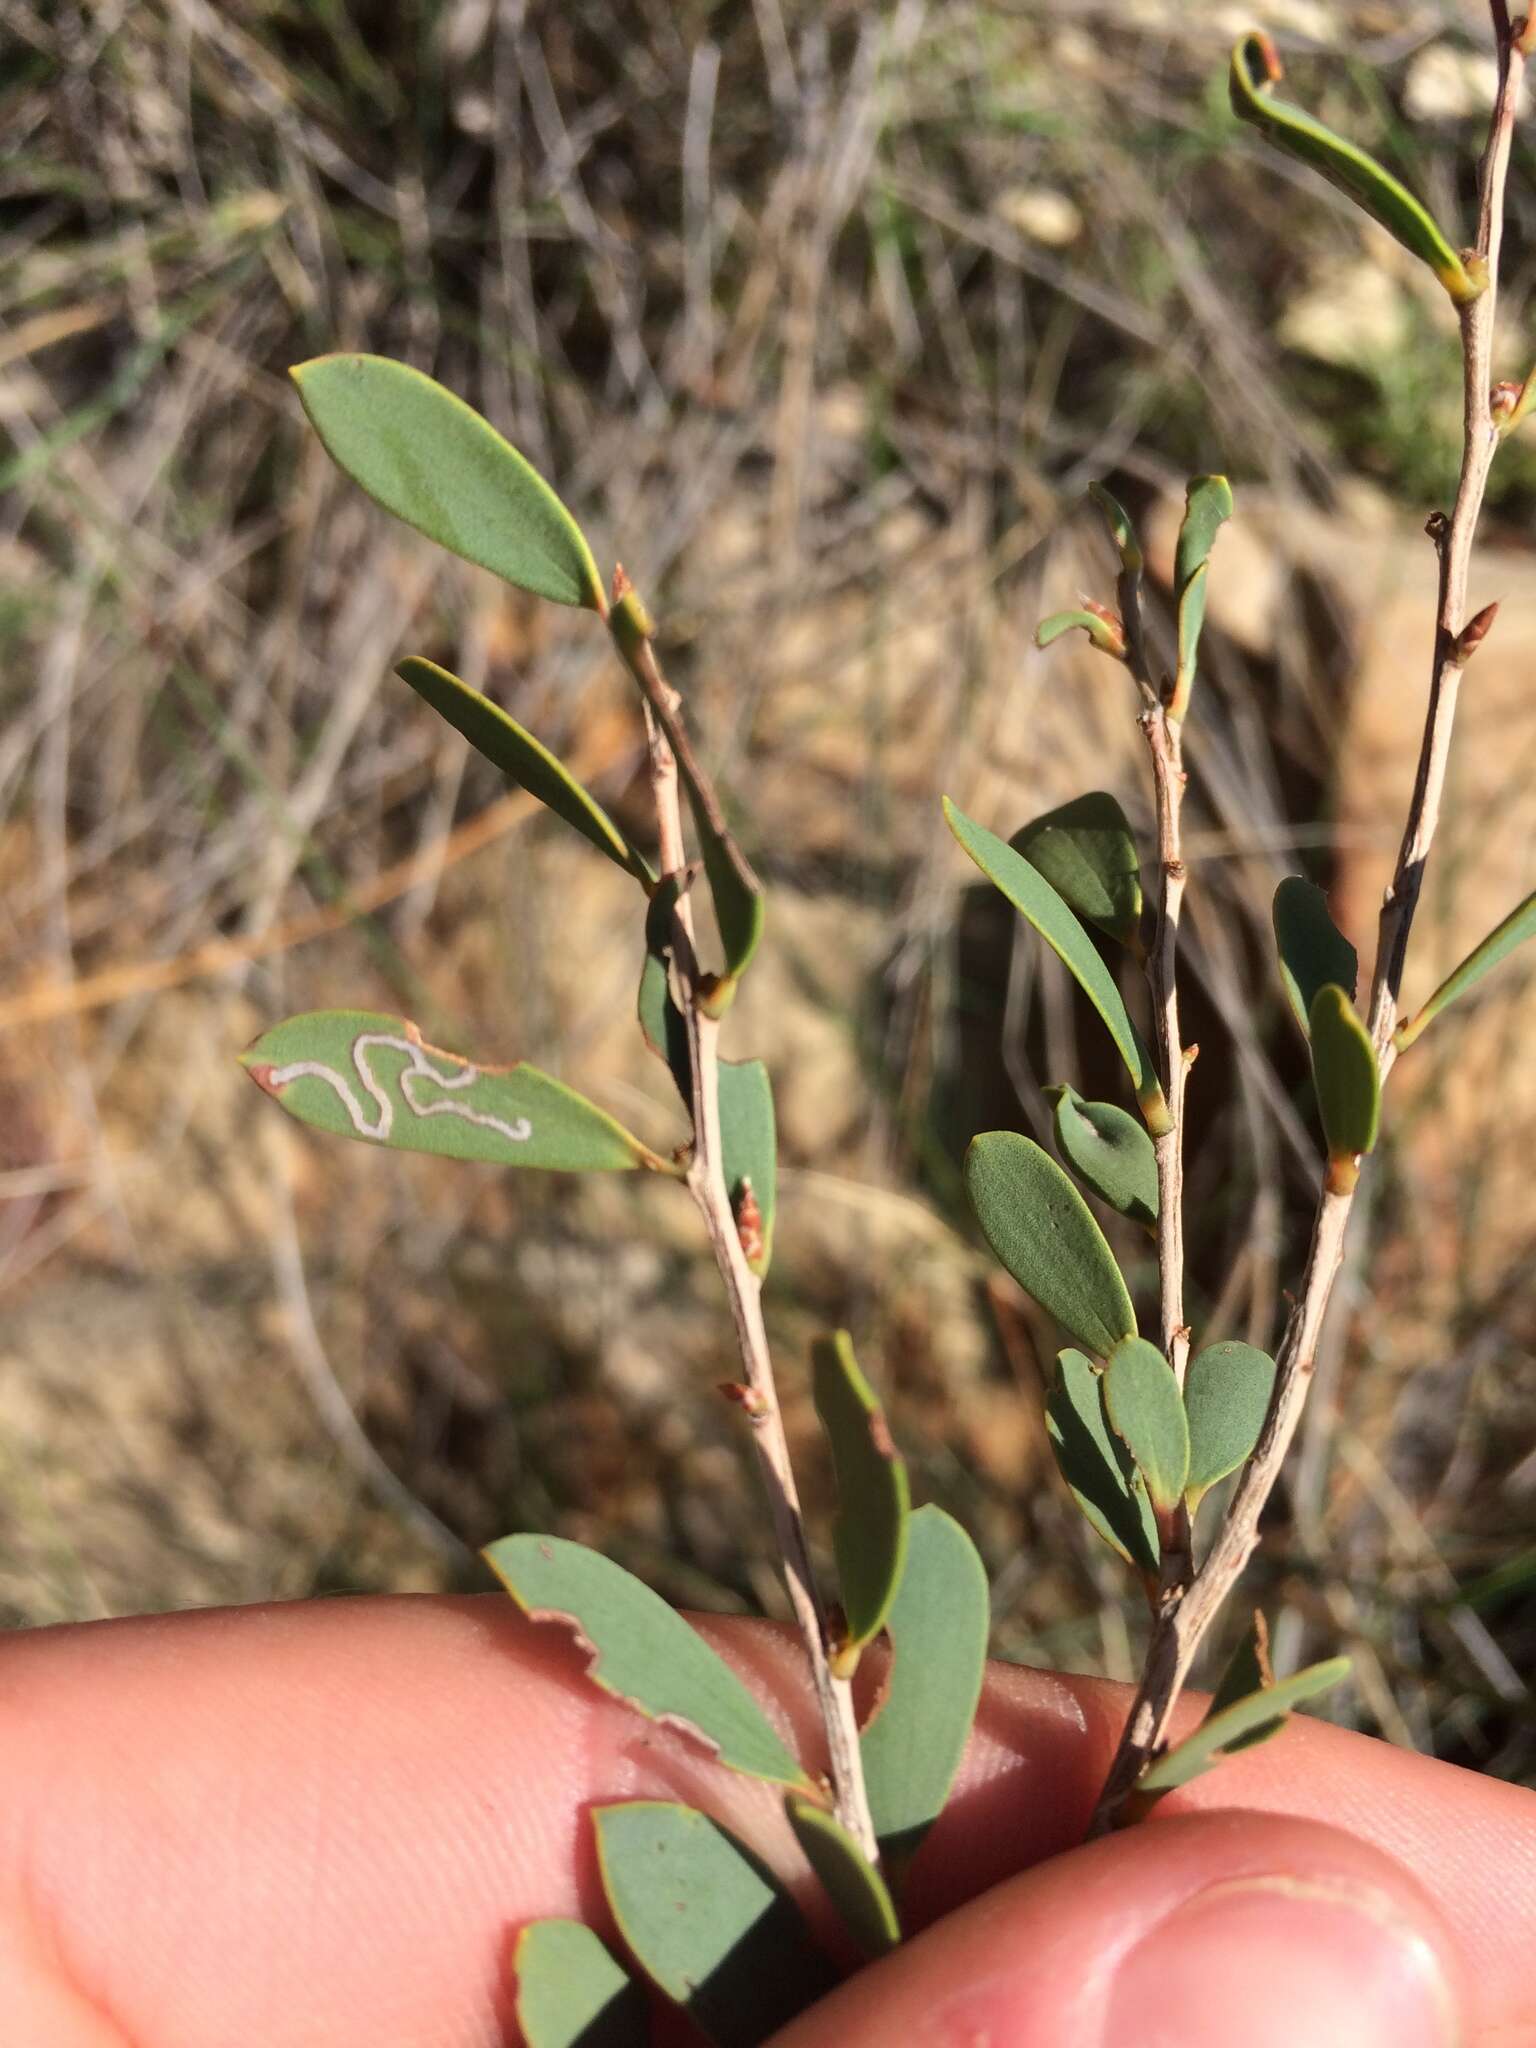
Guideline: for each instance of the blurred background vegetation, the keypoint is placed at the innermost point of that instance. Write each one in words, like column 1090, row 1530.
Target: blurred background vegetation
column 821, row 316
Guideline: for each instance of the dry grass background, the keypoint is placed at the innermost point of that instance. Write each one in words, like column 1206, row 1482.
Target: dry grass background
column 821, row 316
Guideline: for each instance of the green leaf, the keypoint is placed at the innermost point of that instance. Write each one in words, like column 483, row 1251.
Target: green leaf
column 362, row 1075
column 1105, row 631
column 1256, row 70
column 938, row 1627
column 850, row 1880
column 1146, row 1412
column 1043, row 1232
column 1096, row 1466
column 572, row 1994
column 1109, row 1152
column 1239, row 1726
column 1121, row 531
column 709, row 1925
column 1347, row 1079
column 869, row 1535
column 749, row 1151
column 434, row 462
column 661, row 1022
column 1227, row 1391
column 1499, row 944
column 1034, row 898
column 1085, row 851
column 643, row 1651
column 504, row 743
column 1313, row 951
column 1207, row 506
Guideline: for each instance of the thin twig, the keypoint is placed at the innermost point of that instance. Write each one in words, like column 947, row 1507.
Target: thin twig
column 707, row 1185
column 1182, row 1623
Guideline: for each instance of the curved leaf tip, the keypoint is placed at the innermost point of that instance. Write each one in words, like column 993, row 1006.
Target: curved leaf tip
column 1255, row 72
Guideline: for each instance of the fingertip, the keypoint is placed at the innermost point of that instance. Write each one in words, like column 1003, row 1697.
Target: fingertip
column 1206, row 1928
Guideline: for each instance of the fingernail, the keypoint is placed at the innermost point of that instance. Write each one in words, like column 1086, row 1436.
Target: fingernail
column 1274, row 1962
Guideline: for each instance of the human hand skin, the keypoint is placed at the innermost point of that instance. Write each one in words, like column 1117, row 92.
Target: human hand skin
column 321, row 1825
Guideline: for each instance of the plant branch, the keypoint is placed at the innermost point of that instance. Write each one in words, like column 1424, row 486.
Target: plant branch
column 707, row 1185
column 1183, row 1621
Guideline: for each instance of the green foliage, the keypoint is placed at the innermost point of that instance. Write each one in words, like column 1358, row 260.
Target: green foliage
column 1085, row 851
column 1256, row 70
column 938, row 1626
column 1347, row 1079
column 643, row 1651
column 1096, row 1466
column 749, row 1154
column 520, row 757
column 1146, row 1411
column 708, row 1924
column 1034, row 898
column 1240, row 1725
column 1109, row 1152
column 849, row 1879
column 869, row 1535
column 1499, row 944
column 1207, row 507
column 1313, row 951
column 572, row 1994
column 1227, row 1392
column 1044, row 1233
column 1121, row 530
column 430, row 459
column 1102, row 628
column 361, row 1075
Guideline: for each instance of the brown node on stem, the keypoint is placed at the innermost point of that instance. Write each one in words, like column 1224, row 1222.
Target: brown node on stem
column 1473, row 634
column 751, row 1403
column 749, row 1220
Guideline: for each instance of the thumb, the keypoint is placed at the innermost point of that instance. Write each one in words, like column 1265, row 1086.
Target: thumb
column 1196, row 1932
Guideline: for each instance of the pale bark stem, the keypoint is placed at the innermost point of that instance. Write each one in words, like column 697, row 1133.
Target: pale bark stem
column 1184, row 1619
column 743, row 1289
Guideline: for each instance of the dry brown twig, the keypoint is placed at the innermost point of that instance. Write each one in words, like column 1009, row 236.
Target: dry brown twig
column 1189, row 1599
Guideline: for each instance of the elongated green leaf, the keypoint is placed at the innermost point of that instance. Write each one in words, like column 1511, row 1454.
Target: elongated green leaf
column 434, row 462
column 1240, row 1725
column 1256, row 70
column 1097, row 1467
column 1044, row 1233
column 572, row 1994
column 1121, row 529
column 938, row 1626
column 1347, row 1079
column 1106, row 632
column 1109, row 1152
column 643, row 1651
column 1313, row 951
column 850, row 1880
column 1085, row 851
column 1032, row 895
column 709, row 1925
column 749, row 1154
column 661, row 1021
column 362, row 1075
column 504, row 743
column 869, row 1535
column 1146, row 1412
column 1227, row 1392
column 1207, row 506
column 1499, row 944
